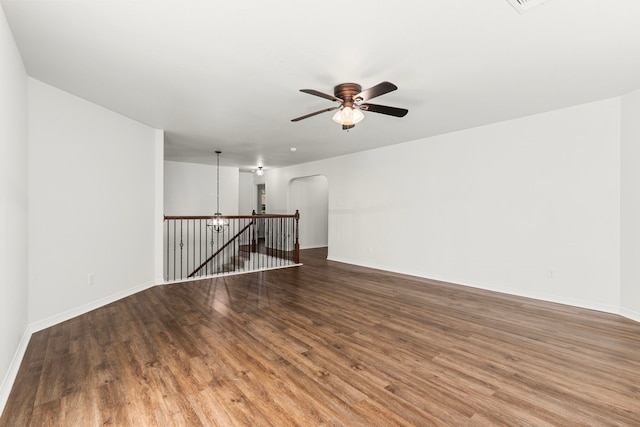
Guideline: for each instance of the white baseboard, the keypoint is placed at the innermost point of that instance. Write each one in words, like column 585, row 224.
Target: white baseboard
column 630, row 314
column 318, row 246
column 12, row 372
column 590, row 305
column 14, row 367
column 74, row 312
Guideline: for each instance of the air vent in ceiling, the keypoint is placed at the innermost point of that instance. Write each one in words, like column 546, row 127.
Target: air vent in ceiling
column 523, row 5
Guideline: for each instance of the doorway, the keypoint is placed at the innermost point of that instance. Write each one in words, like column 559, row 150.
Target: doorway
column 261, row 204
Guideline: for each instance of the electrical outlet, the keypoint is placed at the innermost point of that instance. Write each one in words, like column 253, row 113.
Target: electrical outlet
column 550, row 273
column 91, row 279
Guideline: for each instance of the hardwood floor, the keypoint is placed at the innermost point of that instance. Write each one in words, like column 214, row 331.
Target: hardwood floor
column 330, row 344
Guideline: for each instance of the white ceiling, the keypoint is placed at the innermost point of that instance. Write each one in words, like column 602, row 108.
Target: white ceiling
column 225, row 75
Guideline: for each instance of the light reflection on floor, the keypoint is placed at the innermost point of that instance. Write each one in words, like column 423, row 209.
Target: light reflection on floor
column 240, row 293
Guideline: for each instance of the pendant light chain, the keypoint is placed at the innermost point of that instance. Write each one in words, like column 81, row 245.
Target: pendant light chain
column 218, row 184
column 217, row 223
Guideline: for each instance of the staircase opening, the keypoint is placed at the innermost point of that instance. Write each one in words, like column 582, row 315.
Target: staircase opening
column 194, row 249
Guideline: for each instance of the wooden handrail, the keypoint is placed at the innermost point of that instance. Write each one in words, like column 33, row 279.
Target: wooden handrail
column 221, row 249
column 256, row 216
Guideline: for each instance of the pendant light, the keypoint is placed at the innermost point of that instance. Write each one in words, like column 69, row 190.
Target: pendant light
column 217, row 223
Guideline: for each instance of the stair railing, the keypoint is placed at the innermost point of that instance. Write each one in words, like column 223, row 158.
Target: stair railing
column 246, row 243
column 219, row 251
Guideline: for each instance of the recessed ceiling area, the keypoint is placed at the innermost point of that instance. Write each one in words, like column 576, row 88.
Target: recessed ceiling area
column 226, row 75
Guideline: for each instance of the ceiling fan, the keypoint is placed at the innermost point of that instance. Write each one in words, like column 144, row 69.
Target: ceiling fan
column 353, row 100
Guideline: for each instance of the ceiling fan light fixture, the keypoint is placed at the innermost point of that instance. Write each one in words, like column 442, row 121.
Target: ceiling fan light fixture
column 348, row 116
column 353, row 101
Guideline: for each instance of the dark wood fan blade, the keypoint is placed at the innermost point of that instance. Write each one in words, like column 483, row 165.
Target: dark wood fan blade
column 321, row 94
column 384, row 109
column 377, row 90
column 306, row 116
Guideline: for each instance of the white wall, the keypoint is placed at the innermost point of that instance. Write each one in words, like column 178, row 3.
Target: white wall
column 246, row 194
column 13, row 210
column 92, row 204
column 159, row 206
column 498, row 207
column 190, row 189
column 630, row 184
column 310, row 196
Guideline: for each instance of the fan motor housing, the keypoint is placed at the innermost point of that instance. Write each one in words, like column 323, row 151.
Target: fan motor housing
column 346, row 92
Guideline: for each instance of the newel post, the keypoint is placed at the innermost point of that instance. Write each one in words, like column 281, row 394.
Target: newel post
column 297, row 244
column 254, row 246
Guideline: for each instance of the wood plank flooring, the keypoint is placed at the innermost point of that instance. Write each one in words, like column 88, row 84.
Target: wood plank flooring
column 329, row 344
